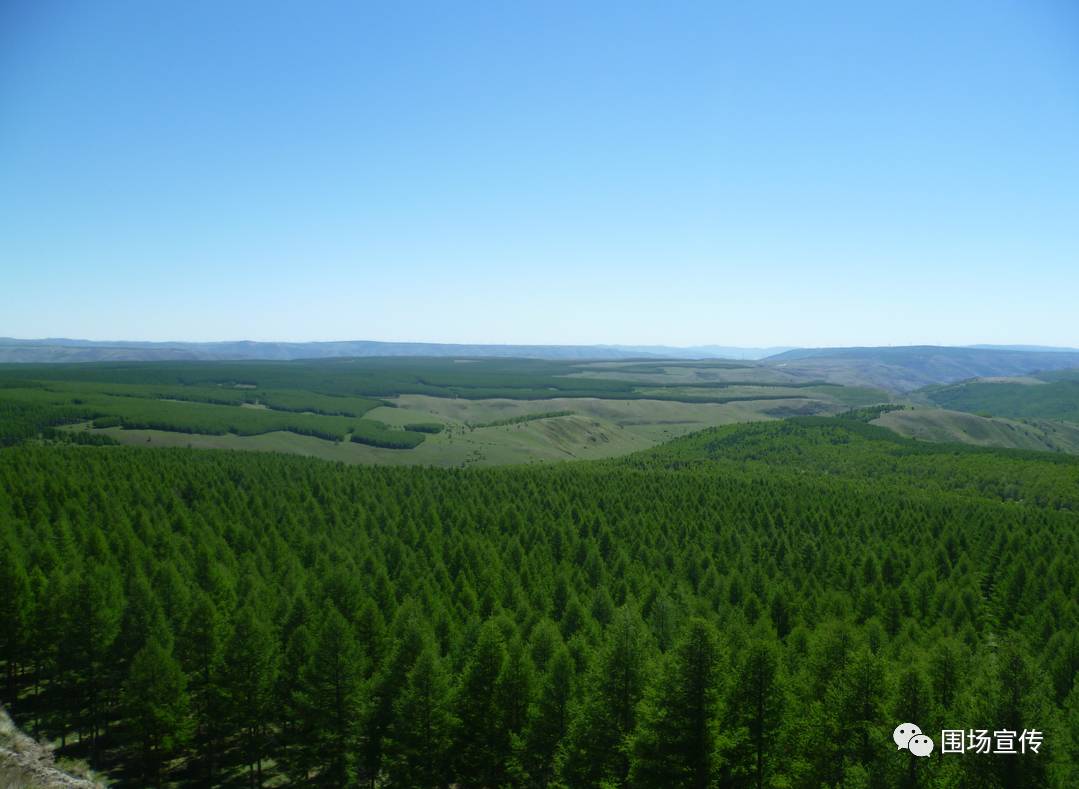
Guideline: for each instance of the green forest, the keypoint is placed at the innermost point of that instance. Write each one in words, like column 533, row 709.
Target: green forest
column 1050, row 396
column 756, row 605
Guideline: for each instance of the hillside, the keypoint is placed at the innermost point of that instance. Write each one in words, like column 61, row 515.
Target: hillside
column 228, row 617
column 906, row 368
column 1052, row 396
column 422, row 411
column 941, row 425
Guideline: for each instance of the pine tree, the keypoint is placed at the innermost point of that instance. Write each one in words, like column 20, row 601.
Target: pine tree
column 94, row 606
column 947, row 664
column 296, row 725
column 551, row 720
column 676, row 739
column 387, row 685
column 481, row 743
column 201, row 648
column 249, row 678
column 912, row 704
column 515, row 688
column 418, row 744
column 1011, row 691
column 856, row 702
column 754, row 712
column 596, row 748
column 333, row 700
column 1063, row 653
column 157, row 706
column 16, row 606
column 1067, row 767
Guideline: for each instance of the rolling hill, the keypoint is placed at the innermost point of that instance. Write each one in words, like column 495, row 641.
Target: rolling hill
column 941, row 425
column 907, row 368
column 71, row 350
column 1042, row 397
column 238, row 619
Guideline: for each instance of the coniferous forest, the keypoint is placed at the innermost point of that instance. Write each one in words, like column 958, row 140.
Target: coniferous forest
column 749, row 606
column 539, row 395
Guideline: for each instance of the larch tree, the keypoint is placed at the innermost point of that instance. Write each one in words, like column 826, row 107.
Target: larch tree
column 597, row 744
column 481, row 743
column 418, row 744
column 675, row 741
column 754, row 714
column 155, row 696
column 249, row 678
column 332, row 692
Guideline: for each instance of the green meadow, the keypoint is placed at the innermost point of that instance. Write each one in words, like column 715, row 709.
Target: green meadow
column 441, row 412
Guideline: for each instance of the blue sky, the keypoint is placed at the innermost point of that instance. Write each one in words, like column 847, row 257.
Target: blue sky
column 731, row 173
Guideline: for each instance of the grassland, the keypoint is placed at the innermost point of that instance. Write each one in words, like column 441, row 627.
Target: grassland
column 440, row 412
column 935, row 424
column 445, row 412
column 181, row 412
column 595, row 429
column 1049, row 397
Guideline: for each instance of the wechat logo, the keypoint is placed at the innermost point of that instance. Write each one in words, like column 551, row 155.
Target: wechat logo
column 909, row 736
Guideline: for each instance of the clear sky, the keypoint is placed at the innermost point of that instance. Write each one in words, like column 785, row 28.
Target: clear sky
column 743, row 173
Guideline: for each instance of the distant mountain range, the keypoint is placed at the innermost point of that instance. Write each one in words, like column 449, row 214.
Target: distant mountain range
column 1050, row 348
column 68, row 350
column 700, row 351
column 905, row 368
column 895, row 368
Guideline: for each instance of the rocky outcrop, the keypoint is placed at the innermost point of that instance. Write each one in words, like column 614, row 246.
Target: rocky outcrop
column 27, row 764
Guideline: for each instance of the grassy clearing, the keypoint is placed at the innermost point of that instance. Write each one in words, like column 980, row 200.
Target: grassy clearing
column 1057, row 399
column 440, row 410
column 934, row 424
column 185, row 416
column 596, row 428
column 536, row 442
column 686, row 374
column 626, row 413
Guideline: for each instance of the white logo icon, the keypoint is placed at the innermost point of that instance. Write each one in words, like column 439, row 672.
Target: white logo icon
column 909, row 736
column 903, row 732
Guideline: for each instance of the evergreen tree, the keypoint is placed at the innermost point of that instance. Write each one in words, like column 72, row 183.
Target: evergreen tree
column 550, row 722
column 481, row 743
column 94, row 608
column 201, row 648
column 418, row 747
column 249, row 679
column 157, row 706
column 675, row 742
column 856, row 703
column 387, row 685
column 1012, row 692
column 913, row 703
column 111, row 553
column 1067, row 762
column 515, row 688
column 753, row 716
column 332, row 693
column 597, row 745
column 296, row 725
column 16, row 607
column 947, row 666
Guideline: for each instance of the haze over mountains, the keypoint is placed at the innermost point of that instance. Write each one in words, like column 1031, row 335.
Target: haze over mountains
column 906, row 368
column 69, row 350
column 894, row 368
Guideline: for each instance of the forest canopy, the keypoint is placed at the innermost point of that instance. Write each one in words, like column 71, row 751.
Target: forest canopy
column 756, row 605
